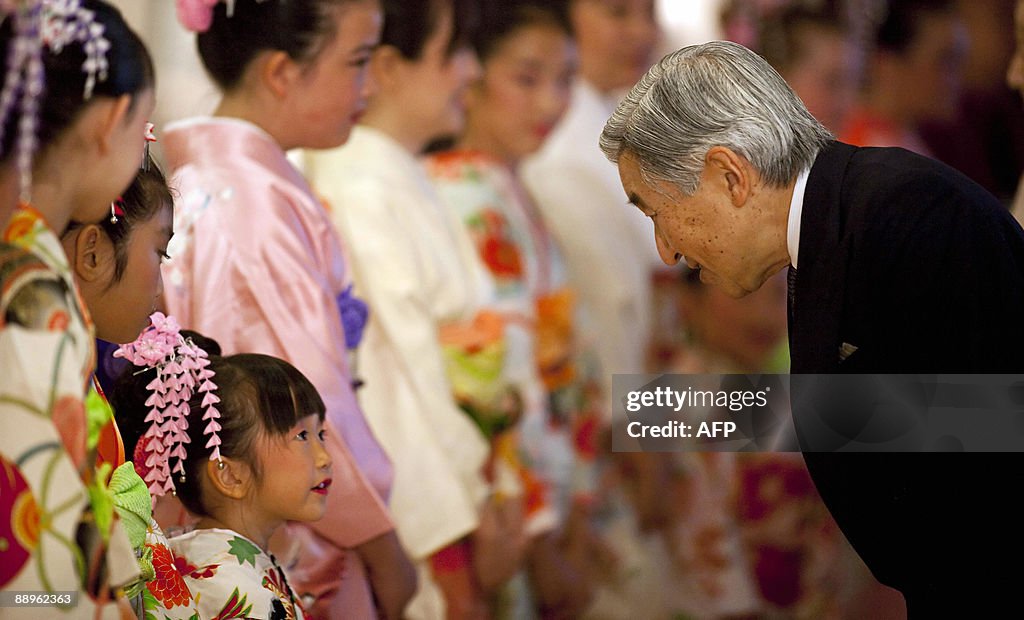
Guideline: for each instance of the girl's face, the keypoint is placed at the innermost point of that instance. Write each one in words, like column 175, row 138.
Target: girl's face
column 120, row 309
column 117, row 165
column 745, row 331
column 432, row 88
column 523, row 93
column 296, row 474
column 332, row 93
column 616, row 40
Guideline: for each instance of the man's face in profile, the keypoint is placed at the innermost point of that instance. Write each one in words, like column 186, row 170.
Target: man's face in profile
column 705, row 229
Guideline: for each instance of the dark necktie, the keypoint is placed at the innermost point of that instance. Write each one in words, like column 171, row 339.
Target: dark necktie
column 791, row 285
column 791, row 294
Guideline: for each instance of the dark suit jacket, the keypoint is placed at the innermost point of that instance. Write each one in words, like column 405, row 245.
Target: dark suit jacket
column 923, row 271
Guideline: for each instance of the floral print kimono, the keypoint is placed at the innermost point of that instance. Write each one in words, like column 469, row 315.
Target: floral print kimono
column 58, row 530
column 233, row 578
column 543, row 358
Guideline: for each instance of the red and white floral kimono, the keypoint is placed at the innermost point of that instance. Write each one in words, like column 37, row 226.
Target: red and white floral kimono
column 233, row 578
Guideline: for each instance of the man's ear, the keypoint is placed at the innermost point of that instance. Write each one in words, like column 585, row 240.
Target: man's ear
column 110, row 113
column 230, row 477
column 734, row 172
column 90, row 254
column 278, row 72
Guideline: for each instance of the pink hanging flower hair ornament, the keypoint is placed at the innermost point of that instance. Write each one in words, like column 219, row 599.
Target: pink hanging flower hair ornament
column 181, row 372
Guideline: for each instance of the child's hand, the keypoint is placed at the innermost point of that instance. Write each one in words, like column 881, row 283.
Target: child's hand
column 499, row 543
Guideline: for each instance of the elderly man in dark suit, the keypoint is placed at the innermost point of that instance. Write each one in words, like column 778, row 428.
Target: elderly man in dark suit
column 898, row 264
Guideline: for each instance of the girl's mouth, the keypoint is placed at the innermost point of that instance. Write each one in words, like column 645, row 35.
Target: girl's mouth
column 322, row 487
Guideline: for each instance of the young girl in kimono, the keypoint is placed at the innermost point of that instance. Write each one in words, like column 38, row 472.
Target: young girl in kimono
column 258, row 266
column 73, row 138
column 244, row 452
column 528, row 59
column 116, row 264
column 420, row 275
column 117, row 260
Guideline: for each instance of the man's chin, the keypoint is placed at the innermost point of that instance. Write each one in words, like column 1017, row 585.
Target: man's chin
column 730, row 288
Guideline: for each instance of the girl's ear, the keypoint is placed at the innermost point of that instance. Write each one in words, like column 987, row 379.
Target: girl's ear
column 92, row 254
column 278, row 72
column 230, row 478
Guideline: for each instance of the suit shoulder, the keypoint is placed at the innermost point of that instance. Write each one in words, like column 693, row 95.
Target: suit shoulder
column 905, row 177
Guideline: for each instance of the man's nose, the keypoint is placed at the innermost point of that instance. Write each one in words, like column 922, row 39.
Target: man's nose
column 668, row 255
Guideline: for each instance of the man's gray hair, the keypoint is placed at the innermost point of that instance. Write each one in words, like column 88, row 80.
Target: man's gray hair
column 715, row 94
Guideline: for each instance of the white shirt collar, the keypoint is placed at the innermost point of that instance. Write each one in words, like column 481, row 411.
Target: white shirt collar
column 796, row 210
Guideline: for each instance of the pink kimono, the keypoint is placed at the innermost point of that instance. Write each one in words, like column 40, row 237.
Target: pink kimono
column 257, row 265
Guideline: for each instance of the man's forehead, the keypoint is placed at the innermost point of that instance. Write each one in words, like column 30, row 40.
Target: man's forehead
column 629, row 170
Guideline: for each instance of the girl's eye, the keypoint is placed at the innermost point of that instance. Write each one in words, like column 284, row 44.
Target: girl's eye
column 362, row 61
column 322, row 434
column 302, row 435
column 164, row 256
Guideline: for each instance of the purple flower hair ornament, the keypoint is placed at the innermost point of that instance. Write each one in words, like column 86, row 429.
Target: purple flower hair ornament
column 40, row 25
column 181, row 373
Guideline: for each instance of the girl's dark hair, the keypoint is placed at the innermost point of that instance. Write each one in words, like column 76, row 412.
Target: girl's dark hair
column 409, row 24
column 129, row 72
column 783, row 36
column 501, row 18
column 902, row 22
column 143, row 199
column 258, row 394
column 300, row 28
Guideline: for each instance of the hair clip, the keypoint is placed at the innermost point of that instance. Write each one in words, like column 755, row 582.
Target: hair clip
column 181, row 373
column 116, row 209
column 149, row 137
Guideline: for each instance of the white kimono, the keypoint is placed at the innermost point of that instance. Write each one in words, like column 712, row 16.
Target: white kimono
column 415, row 266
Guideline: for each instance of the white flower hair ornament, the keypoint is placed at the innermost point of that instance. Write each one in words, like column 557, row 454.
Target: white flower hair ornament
column 181, row 372
column 39, row 25
column 65, row 22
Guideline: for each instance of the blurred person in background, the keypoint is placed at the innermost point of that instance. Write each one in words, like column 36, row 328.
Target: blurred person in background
column 1015, row 79
column 607, row 248
column 816, row 53
column 985, row 140
column 529, row 60
column 418, row 271
column 914, row 75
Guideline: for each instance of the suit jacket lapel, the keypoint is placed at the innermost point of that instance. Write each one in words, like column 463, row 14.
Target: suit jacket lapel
column 818, row 296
